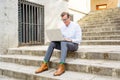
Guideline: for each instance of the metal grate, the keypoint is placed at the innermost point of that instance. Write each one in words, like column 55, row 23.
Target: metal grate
column 31, row 23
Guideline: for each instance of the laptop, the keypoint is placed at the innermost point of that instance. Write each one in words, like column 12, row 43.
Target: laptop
column 54, row 35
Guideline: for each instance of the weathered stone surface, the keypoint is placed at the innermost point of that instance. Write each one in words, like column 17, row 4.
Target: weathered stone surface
column 101, row 26
column 27, row 73
column 7, row 78
column 88, row 63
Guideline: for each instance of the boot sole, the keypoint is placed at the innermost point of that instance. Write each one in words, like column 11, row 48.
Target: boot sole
column 41, row 71
column 59, row 74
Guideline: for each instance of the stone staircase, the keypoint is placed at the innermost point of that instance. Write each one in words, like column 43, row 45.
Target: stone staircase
column 88, row 63
column 98, row 57
column 101, row 27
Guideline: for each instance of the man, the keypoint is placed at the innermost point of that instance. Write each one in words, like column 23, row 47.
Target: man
column 72, row 37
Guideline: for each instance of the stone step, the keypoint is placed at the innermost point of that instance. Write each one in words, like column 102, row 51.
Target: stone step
column 100, row 30
column 98, row 15
column 27, row 73
column 102, row 21
column 84, row 52
column 100, row 42
column 107, row 12
column 102, row 14
column 105, row 37
column 107, row 33
column 7, row 78
column 90, row 25
column 101, row 24
column 100, row 67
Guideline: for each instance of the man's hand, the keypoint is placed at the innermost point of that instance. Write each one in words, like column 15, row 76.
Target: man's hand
column 67, row 39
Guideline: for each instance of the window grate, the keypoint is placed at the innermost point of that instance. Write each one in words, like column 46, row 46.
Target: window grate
column 31, row 23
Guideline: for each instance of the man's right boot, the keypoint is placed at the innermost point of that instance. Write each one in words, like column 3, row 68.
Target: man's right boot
column 42, row 68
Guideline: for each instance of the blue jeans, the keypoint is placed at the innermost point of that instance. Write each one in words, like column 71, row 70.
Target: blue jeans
column 64, row 46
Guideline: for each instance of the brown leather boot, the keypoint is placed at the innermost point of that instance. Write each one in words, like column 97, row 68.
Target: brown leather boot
column 60, row 70
column 43, row 67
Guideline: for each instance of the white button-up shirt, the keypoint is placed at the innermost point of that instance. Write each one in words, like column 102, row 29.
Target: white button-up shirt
column 72, row 31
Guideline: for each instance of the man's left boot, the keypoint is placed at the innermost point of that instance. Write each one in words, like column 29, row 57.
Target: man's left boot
column 60, row 70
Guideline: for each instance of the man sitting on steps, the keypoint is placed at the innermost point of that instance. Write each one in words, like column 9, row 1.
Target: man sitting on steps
column 72, row 37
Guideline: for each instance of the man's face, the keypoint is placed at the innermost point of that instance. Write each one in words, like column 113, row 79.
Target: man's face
column 66, row 20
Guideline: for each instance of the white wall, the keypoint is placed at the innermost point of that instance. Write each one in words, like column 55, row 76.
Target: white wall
column 53, row 9
column 8, row 24
column 9, row 19
column 79, row 5
column 118, row 3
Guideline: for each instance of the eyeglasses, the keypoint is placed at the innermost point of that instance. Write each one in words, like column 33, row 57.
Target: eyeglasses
column 64, row 19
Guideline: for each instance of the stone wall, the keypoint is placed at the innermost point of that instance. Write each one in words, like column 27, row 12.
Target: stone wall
column 8, row 24
column 110, row 3
column 9, row 19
